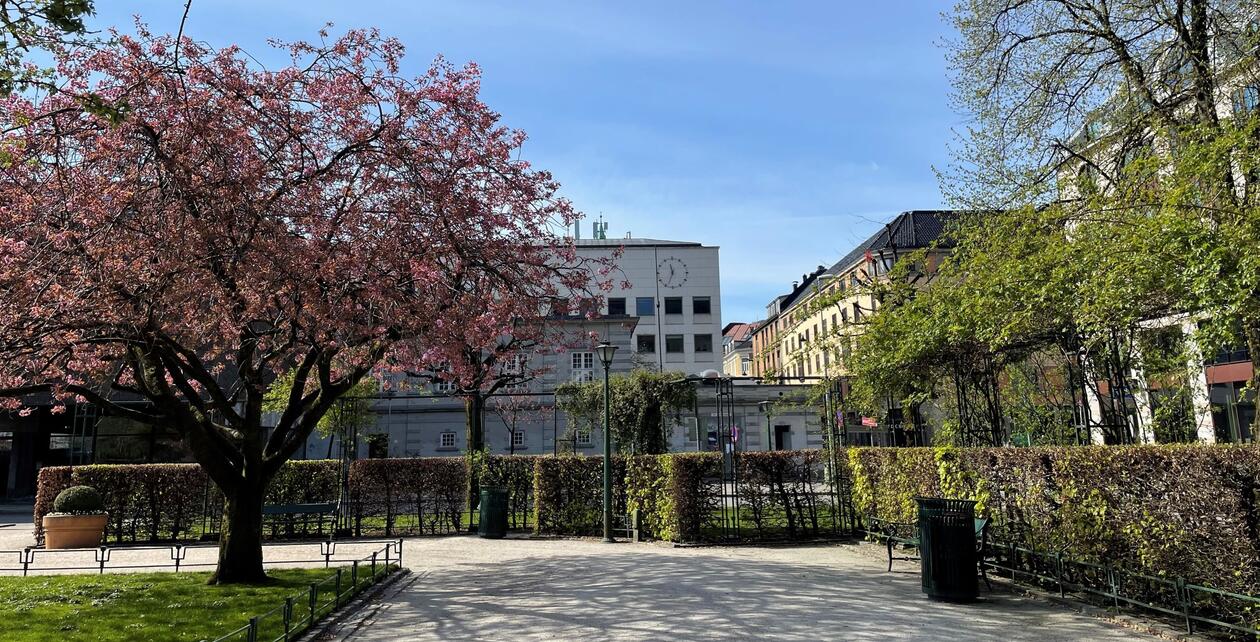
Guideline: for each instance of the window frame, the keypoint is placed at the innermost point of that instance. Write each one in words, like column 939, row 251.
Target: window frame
column 639, row 307
column 622, row 301
column 695, row 342
column 695, row 305
column 638, row 343
column 682, row 343
column 672, row 302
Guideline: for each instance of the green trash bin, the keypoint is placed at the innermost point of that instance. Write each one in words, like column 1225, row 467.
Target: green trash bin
column 947, row 547
column 492, row 517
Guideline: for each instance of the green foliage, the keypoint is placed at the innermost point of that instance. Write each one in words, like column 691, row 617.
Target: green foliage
column 34, row 24
column 639, row 405
column 353, row 412
column 1164, row 510
column 79, row 500
column 568, row 494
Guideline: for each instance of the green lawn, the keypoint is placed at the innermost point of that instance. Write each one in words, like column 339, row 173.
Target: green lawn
column 147, row 606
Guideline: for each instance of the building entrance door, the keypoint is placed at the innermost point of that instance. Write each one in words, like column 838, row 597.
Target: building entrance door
column 782, row 437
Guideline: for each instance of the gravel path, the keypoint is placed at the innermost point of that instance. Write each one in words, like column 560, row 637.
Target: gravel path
column 464, row 588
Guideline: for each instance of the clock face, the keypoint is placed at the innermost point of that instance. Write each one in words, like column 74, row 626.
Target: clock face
column 671, row 272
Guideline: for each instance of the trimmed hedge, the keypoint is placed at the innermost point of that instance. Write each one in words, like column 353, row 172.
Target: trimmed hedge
column 516, row 473
column 408, row 496
column 569, row 495
column 1175, row 510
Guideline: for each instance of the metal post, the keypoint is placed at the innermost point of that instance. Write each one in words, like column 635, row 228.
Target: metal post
column 252, row 633
column 313, row 600
column 607, row 464
column 354, row 576
column 337, row 589
column 288, row 616
column 1183, row 596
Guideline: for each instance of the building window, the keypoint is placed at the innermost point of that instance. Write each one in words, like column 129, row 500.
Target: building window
column 616, row 306
column 445, row 387
column 446, row 440
column 583, row 364
column 645, row 343
column 584, row 437
column 673, row 305
column 518, row 438
column 857, row 313
column 743, row 367
column 1246, row 100
column 824, row 326
column 701, row 305
column 844, row 316
column 674, row 344
column 644, row 306
column 833, row 321
column 704, row 343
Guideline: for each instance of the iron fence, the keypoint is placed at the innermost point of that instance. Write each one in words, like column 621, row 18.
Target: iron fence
column 1193, row 604
column 302, row 610
column 26, row 561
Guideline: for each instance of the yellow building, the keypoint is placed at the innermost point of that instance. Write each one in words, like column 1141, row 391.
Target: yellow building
column 808, row 332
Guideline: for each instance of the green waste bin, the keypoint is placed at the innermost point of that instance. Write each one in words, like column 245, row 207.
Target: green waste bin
column 492, row 517
column 947, row 547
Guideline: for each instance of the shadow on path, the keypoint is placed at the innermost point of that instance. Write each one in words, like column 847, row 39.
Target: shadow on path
column 642, row 592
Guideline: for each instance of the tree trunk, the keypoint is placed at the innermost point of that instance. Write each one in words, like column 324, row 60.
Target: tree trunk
column 240, row 542
column 474, row 422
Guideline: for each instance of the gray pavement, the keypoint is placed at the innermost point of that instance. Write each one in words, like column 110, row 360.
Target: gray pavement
column 463, row 588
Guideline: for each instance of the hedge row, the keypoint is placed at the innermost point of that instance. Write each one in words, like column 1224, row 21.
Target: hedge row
column 569, row 495
column 1176, row 510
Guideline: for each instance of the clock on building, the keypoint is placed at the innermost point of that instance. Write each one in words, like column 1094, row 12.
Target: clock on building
column 671, row 272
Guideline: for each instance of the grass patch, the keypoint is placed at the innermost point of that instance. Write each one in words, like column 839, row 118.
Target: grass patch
column 146, row 606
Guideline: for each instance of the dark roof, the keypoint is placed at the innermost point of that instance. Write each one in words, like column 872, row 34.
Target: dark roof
column 909, row 231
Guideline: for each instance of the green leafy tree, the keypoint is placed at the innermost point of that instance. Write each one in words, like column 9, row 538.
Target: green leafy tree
column 639, row 405
column 27, row 25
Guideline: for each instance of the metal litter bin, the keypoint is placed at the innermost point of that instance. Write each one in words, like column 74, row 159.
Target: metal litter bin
column 492, row 518
column 947, row 547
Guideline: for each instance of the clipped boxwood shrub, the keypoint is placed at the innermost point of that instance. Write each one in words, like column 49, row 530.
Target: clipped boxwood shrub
column 78, row 500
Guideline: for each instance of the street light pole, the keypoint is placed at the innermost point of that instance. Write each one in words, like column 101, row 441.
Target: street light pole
column 606, row 352
column 765, row 408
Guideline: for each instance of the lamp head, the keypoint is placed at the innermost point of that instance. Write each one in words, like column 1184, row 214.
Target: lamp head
column 606, row 352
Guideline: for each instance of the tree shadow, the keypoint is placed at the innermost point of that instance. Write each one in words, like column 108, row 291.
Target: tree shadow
column 644, row 592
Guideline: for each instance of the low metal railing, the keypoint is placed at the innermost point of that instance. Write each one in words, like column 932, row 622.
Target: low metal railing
column 1175, row 597
column 301, row 610
column 121, row 558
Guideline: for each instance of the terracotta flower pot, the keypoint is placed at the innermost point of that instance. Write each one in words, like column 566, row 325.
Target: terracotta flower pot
column 74, row 531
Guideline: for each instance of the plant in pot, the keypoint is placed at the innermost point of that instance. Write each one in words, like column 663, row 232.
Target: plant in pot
column 77, row 521
column 492, row 517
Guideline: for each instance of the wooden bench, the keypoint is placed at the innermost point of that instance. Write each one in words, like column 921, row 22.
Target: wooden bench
column 907, row 534
column 320, row 510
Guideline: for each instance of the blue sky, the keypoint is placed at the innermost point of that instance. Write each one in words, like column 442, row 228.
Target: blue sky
column 783, row 132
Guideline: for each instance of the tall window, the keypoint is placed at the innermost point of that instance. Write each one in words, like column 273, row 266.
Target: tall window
column 673, row 344
column 616, row 306
column 704, row 343
column 701, row 305
column 673, row 305
column 583, row 366
column 644, row 306
column 645, row 343
column 1246, row 100
column 518, row 438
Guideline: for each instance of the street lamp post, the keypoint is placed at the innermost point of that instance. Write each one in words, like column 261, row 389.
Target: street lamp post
column 765, row 407
column 606, row 352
